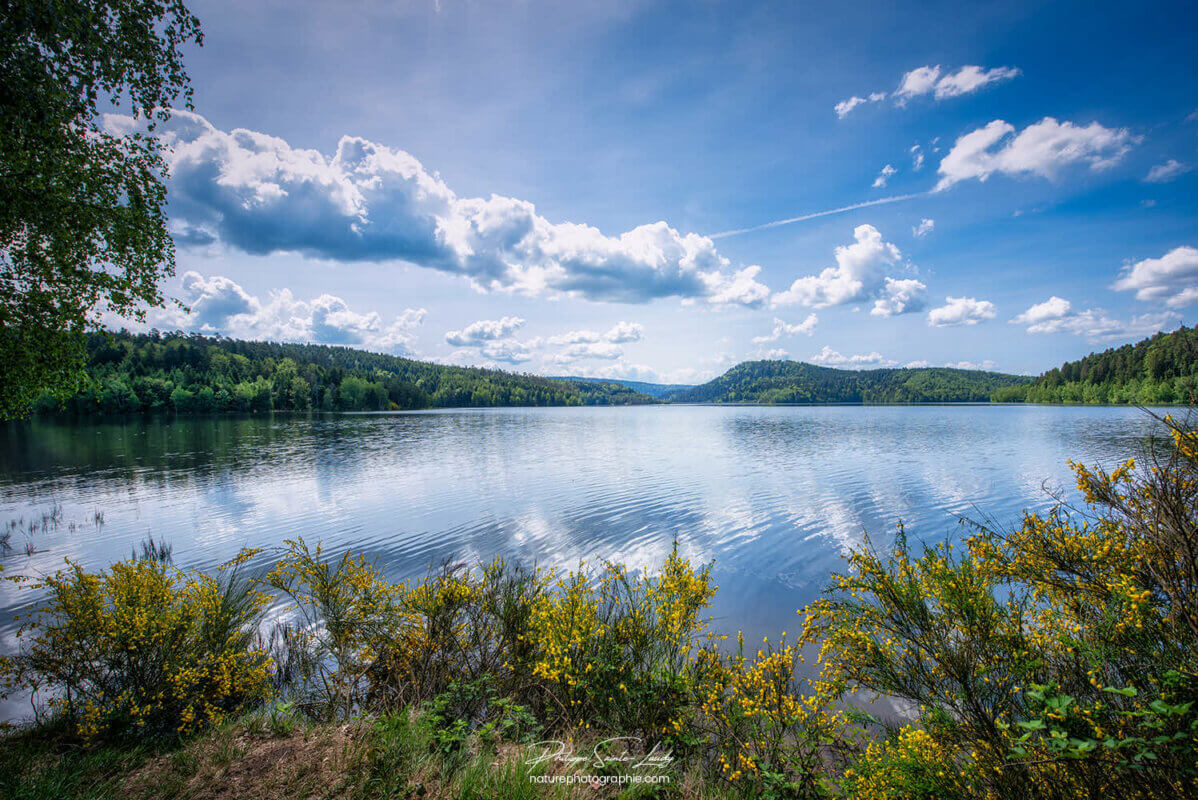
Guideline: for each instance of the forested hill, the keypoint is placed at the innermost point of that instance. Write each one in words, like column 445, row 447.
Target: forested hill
column 1160, row 369
column 655, row 390
column 199, row 374
column 799, row 382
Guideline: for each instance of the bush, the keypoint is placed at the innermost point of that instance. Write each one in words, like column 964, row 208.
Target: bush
column 1055, row 660
column 143, row 648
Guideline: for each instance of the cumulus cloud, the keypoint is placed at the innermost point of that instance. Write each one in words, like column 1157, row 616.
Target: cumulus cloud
column 828, row 357
column 919, row 364
column 859, row 276
column 1171, row 279
column 369, row 202
column 625, row 332
column 900, row 296
column 1170, row 170
column 1056, row 315
column 784, row 328
column 484, row 330
column 1053, row 308
column 219, row 305
column 961, row 311
column 619, row 333
column 1043, row 148
column 883, row 176
column 924, row 227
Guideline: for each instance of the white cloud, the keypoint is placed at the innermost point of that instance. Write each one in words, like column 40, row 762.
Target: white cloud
column 1172, row 278
column 369, row 202
column 920, row 364
column 924, row 227
column 1170, row 170
column 970, row 79
column 1056, row 315
column 1053, row 308
column 942, row 85
column 859, row 275
column 961, row 311
column 919, row 81
column 783, row 328
column 484, row 330
column 986, row 365
column 935, row 81
column 625, row 332
column 619, row 333
column 917, row 157
column 738, row 288
column 830, row 358
column 883, row 176
column 843, row 108
column 1043, row 149
column 603, row 350
column 775, row 354
column 509, row 351
column 899, row 297
column 218, row 305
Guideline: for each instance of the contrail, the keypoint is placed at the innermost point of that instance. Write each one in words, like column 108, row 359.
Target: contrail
column 777, row 222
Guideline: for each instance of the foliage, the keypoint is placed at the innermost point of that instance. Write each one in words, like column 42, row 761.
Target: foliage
column 1055, row 660
column 797, row 382
column 345, row 610
column 766, row 728
column 199, row 374
column 143, row 648
column 1159, row 370
column 83, row 228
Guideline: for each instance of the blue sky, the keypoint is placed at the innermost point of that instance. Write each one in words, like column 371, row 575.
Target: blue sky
column 541, row 186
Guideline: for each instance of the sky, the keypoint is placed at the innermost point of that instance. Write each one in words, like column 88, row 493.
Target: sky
column 658, row 191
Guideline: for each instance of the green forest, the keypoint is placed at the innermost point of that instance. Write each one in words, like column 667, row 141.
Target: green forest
column 798, row 382
column 1158, row 370
column 190, row 373
column 200, row 374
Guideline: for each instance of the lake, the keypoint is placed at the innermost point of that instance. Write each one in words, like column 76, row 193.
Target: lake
column 774, row 495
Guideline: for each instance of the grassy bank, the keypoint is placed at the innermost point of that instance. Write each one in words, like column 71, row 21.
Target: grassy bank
column 1054, row 659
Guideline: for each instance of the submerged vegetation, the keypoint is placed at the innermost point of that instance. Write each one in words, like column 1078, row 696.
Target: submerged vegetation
column 1058, row 659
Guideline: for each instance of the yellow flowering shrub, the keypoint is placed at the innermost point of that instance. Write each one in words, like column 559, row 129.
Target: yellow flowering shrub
column 346, row 615
column 143, row 647
column 617, row 650
column 766, row 727
column 1056, row 657
column 910, row 764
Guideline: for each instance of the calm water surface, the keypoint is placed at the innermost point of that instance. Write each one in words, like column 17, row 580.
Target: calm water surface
column 774, row 495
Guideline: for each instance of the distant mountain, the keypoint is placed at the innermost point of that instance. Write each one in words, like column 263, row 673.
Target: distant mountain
column 655, row 390
column 1160, row 369
column 799, row 382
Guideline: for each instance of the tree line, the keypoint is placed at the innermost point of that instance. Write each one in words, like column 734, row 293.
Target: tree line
column 190, row 373
column 798, row 382
column 1161, row 369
